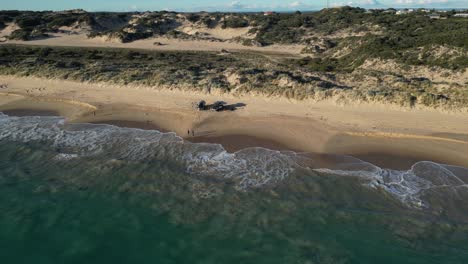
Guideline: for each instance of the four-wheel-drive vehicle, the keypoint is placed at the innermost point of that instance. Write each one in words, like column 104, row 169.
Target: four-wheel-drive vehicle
column 217, row 106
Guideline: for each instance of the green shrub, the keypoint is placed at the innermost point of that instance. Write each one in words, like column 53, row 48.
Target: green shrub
column 28, row 21
column 193, row 18
column 20, row 34
column 235, row 22
column 208, row 21
column 62, row 21
column 318, row 64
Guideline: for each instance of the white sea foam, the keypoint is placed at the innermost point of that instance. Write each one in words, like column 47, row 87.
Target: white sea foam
column 249, row 168
column 409, row 186
column 65, row 156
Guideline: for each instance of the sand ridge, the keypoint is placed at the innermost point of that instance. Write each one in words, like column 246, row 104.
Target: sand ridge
column 404, row 136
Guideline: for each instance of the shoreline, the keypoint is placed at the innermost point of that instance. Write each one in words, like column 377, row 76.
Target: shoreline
column 389, row 138
column 235, row 143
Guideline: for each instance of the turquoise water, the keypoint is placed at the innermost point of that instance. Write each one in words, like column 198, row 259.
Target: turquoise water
column 102, row 194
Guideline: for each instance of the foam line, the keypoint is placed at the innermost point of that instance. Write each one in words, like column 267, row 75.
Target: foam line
column 249, row 168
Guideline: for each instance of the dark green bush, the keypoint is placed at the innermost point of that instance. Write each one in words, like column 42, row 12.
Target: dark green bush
column 208, row 21
column 62, row 21
column 318, row 64
column 193, row 18
column 235, row 22
column 20, row 34
column 28, row 21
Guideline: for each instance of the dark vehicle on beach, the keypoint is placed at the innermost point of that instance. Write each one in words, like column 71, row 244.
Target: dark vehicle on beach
column 217, row 106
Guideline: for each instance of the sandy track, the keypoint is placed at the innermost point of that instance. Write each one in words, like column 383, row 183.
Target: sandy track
column 80, row 40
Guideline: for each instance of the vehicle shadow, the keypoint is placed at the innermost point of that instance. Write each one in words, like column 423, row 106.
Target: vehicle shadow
column 233, row 107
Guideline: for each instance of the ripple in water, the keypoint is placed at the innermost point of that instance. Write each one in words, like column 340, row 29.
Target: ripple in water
column 249, row 168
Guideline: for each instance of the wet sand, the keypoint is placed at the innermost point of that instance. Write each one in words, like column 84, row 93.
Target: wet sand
column 132, row 124
column 30, row 112
column 392, row 161
column 234, row 143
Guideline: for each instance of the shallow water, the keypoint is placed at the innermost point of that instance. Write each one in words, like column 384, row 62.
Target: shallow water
column 101, row 194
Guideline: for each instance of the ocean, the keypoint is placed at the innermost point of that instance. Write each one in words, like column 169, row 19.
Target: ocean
column 87, row 193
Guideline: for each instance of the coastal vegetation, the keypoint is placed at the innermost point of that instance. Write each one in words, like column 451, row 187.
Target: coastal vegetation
column 240, row 73
column 348, row 53
column 381, row 29
column 352, row 35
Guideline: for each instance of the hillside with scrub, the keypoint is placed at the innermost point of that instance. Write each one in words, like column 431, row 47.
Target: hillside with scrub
column 346, row 54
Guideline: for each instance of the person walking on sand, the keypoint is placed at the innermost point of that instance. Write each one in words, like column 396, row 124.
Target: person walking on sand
column 193, row 133
column 188, row 132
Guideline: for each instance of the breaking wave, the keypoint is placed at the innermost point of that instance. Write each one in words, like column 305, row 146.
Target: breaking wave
column 248, row 168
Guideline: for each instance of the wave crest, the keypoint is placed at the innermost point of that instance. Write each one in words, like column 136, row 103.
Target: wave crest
column 249, row 168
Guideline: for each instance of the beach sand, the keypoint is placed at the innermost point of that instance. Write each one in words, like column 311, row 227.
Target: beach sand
column 387, row 136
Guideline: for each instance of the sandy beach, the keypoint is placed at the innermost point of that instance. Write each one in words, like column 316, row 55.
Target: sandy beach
column 387, row 136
